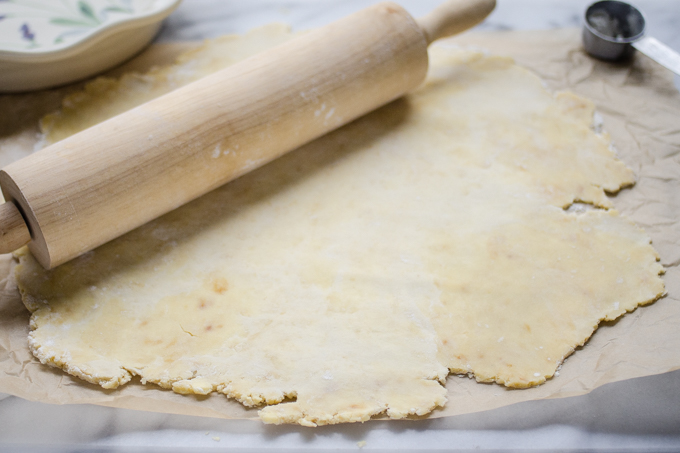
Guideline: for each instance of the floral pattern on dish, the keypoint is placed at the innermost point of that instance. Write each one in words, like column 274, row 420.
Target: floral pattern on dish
column 45, row 25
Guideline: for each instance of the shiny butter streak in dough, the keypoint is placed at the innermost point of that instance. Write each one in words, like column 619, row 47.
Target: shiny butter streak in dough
column 348, row 278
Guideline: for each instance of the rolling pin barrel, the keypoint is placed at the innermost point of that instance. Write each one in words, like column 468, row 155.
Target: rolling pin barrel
column 107, row 180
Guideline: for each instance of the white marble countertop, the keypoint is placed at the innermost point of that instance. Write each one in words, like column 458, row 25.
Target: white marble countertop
column 200, row 19
column 636, row 415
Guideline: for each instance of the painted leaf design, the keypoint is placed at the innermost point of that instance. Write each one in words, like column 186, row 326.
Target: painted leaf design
column 118, row 9
column 87, row 11
column 66, row 22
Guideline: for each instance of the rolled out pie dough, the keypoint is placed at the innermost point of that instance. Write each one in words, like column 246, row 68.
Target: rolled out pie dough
column 348, row 278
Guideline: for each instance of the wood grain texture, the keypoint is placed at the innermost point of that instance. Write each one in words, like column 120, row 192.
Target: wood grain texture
column 95, row 186
column 107, row 180
column 13, row 230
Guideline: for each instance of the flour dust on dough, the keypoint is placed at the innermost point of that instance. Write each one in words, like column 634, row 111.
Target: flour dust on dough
column 348, row 278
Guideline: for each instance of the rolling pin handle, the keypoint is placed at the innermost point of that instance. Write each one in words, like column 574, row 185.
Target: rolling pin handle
column 454, row 16
column 13, row 230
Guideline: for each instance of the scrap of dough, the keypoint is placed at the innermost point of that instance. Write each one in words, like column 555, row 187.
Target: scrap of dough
column 348, row 278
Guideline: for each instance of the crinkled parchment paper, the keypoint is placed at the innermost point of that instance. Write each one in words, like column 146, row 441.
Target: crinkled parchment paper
column 640, row 108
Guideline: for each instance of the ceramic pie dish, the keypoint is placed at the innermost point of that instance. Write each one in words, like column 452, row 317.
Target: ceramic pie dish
column 46, row 43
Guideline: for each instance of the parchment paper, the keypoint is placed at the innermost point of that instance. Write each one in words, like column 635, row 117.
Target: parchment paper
column 640, row 108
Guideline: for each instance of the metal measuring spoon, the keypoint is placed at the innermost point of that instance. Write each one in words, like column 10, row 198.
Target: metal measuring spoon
column 614, row 29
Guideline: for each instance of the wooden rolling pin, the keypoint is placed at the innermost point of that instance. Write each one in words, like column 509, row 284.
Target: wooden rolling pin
column 99, row 184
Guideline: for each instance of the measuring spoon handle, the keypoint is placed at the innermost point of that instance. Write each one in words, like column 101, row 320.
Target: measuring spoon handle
column 659, row 52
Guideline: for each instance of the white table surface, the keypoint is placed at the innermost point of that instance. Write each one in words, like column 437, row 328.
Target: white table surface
column 636, row 415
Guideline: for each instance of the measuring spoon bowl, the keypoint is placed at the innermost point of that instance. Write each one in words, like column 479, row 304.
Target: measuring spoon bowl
column 610, row 29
